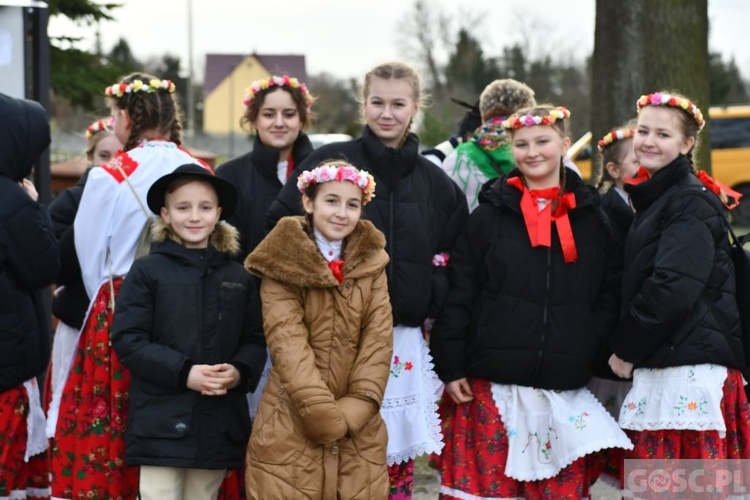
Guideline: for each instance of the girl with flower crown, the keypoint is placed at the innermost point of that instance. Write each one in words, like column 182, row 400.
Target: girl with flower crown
column 88, row 417
column 421, row 212
column 680, row 325
column 278, row 110
column 487, row 154
column 327, row 320
column 534, row 295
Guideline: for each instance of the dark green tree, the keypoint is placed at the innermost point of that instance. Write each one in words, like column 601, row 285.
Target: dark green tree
column 725, row 81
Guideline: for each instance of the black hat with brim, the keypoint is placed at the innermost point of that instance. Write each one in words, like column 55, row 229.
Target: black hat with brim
column 225, row 191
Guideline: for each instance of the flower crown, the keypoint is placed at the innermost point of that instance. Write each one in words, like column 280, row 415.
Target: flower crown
column 258, row 86
column 659, row 99
column 518, row 121
column 122, row 88
column 615, row 135
column 98, row 126
column 326, row 173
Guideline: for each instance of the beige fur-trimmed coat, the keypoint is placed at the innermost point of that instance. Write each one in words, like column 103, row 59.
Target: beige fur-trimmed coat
column 318, row 433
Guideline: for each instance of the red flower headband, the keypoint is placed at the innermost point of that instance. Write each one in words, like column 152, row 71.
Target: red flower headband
column 615, row 135
column 529, row 120
column 255, row 88
column 122, row 88
column 99, row 125
column 658, row 99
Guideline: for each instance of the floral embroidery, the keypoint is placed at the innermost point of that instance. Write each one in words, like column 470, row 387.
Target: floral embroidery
column 399, row 366
column 579, row 421
column 545, row 447
column 685, row 404
column 638, row 407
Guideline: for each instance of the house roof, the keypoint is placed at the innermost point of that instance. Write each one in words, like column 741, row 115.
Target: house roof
column 219, row 66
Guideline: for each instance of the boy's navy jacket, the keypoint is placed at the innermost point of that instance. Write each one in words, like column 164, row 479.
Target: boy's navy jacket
column 28, row 248
column 178, row 307
column 521, row 315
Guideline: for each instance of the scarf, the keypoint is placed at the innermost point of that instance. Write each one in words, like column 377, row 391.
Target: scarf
column 539, row 222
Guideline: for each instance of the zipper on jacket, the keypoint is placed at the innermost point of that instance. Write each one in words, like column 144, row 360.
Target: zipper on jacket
column 391, row 240
column 545, row 316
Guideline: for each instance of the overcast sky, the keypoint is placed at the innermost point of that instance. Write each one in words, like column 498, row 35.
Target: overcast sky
column 348, row 37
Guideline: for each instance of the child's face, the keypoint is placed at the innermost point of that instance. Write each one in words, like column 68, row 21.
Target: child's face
column 278, row 123
column 626, row 168
column 192, row 211
column 105, row 150
column 538, row 151
column 336, row 209
column 389, row 107
column 659, row 139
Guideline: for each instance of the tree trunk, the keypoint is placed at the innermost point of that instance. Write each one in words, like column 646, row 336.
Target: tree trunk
column 642, row 46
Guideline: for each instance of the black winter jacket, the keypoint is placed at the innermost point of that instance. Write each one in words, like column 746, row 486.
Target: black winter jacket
column 521, row 315
column 28, row 248
column 620, row 214
column 254, row 176
column 71, row 302
column 178, row 307
column 419, row 209
column 679, row 304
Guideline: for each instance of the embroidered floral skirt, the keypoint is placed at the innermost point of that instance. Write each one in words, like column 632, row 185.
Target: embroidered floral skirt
column 476, row 449
column 694, row 444
column 19, row 479
column 88, row 451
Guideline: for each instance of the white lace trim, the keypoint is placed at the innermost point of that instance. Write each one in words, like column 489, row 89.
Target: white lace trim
column 36, row 440
column 468, row 496
column 412, row 415
column 678, row 398
column 546, row 413
column 28, row 494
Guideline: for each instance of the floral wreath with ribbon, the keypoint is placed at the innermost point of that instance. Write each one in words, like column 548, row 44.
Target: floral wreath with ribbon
column 345, row 172
column 677, row 102
column 105, row 124
column 529, row 120
column 615, row 135
column 255, row 88
column 153, row 85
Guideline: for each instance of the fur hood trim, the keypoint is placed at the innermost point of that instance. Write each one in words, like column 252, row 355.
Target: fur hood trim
column 225, row 237
column 289, row 255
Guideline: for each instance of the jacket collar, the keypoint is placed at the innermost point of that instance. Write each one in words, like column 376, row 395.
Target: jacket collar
column 209, row 257
column 288, row 254
column 643, row 195
column 390, row 164
column 267, row 159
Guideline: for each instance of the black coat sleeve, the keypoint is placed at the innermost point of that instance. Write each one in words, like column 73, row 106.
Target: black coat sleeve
column 607, row 305
column 458, row 214
column 131, row 333
column 250, row 358
column 466, row 267
column 31, row 252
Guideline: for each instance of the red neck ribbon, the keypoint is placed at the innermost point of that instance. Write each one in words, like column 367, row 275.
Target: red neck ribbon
column 640, row 176
column 717, row 188
column 539, row 223
column 336, row 268
column 289, row 167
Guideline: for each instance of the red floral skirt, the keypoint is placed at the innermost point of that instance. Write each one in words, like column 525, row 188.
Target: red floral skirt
column 88, row 451
column 476, row 448
column 702, row 444
column 19, row 478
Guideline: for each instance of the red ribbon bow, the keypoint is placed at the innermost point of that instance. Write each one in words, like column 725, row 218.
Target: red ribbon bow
column 539, row 222
column 336, row 266
column 717, row 188
column 640, row 176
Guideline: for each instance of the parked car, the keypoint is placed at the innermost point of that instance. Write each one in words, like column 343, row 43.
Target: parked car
column 322, row 139
column 730, row 153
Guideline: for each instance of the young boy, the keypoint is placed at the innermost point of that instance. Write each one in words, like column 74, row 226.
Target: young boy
column 188, row 327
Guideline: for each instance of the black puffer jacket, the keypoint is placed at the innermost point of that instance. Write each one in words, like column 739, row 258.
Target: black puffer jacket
column 521, row 315
column 419, row 209
column 28, row 248
column 70, row 303
column 620, row 214
column 179, row 307
column 254, row 176
column 679, row 305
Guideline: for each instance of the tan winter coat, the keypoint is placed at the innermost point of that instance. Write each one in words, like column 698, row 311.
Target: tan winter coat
column 318, row 433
